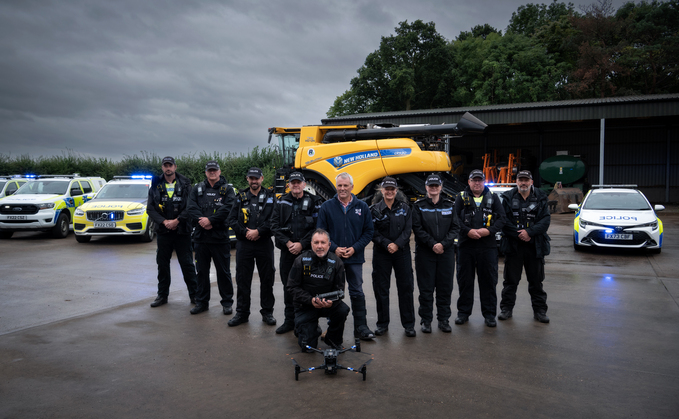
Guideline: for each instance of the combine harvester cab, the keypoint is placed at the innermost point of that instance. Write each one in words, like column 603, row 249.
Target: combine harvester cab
column 368, row 154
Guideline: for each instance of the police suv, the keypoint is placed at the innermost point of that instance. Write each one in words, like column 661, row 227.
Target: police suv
column 118, row 209
column 10, row 184
column 46, row 203
column 617, row 217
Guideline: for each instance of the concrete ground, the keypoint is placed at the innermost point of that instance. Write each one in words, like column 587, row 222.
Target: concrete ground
column 78, row 339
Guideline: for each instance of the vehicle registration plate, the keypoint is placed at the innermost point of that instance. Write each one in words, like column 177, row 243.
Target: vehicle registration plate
column 17, row 217
column 618, row 237
column 104, row 224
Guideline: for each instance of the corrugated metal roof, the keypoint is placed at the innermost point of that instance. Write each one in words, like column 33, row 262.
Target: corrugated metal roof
column 564, row 110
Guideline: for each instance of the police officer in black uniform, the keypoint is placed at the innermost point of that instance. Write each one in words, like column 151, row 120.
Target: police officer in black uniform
column 166, row 206
column 292, row 223
column 436, row 227
column 314, row 272
column 393, row 222
column 250, row 218
column 209, row 205
column 481, row 216
column 525, row 244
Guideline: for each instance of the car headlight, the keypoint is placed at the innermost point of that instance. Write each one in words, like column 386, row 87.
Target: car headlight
column 137, row 211
column 46, row 205
column 79, row 213
column 584, row 223
column 653, row 225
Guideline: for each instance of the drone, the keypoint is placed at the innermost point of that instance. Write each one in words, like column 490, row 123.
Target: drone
column 330, row 364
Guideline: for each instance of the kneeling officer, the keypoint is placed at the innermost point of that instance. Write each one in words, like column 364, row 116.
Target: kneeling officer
column 315, row 272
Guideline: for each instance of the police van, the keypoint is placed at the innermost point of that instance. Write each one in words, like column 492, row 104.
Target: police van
column 46, row 203
column 617, row 217
column 118, row 209
column 10, row 184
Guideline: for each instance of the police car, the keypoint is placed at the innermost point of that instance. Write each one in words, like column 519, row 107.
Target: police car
column 10, row 184
column 46, row 203
column 118, row 209
column 498, row 189
column 617, row 217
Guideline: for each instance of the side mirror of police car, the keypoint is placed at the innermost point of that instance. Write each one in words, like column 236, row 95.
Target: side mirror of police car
column 573, row 207
column 659, row 207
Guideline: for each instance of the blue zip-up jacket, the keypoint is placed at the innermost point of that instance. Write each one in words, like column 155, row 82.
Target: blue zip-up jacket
column 351, row 229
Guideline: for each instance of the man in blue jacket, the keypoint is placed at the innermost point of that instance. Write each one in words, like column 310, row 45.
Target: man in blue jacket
column 350, row 225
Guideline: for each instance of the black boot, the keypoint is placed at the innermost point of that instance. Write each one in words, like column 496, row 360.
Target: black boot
column 361, row 329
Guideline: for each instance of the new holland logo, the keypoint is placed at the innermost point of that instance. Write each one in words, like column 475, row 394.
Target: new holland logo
column 338, row 161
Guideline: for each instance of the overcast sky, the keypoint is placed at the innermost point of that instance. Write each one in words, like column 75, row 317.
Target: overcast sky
column 111, row 78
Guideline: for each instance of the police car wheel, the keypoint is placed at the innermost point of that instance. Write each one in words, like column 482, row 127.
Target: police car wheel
column 656, row 251
column 83, row 239
column 150, row 232
column 6, row 234
column 60, row 230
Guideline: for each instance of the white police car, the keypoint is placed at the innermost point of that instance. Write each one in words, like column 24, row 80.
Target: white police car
column 118, row 209
column 617, row 217
column 46, row 203
column 10, row 184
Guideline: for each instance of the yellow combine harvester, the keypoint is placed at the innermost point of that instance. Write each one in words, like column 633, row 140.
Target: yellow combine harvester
column 369, row 153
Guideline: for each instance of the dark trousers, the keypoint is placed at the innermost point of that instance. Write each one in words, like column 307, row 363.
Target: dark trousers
column 287, row 259
column 524, row 258
column 306, row 324
column 401, row 263
column 354, row 276
column 435, row 273
column 247, row 253
column 220, row 254
column 181, row 244
column 483, row 262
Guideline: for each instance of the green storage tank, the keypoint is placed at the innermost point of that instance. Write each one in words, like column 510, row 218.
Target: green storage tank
column 565, row 169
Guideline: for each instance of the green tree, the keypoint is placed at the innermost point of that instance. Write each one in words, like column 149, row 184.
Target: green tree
column 528, row 19
column 477, row 31
column 504, row 69
column 405, row 73
column 650, row 58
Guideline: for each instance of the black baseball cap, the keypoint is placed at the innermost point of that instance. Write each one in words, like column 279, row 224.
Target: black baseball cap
column 295, row 176
column 255, row 172
column 524, row 173
column 212, row 165
column 476, row 173
column 168, row 159
column 433, row 179
column 389, row 182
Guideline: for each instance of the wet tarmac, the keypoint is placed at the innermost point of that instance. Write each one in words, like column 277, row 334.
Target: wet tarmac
column 78, row 339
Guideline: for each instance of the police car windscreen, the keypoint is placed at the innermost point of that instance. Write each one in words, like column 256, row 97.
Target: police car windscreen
column 131, row 192
column 44, row 187
column 616, row 201
column 2, row 183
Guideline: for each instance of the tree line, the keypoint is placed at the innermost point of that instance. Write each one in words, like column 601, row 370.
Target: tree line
column 549, row 52
column 234, row 166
